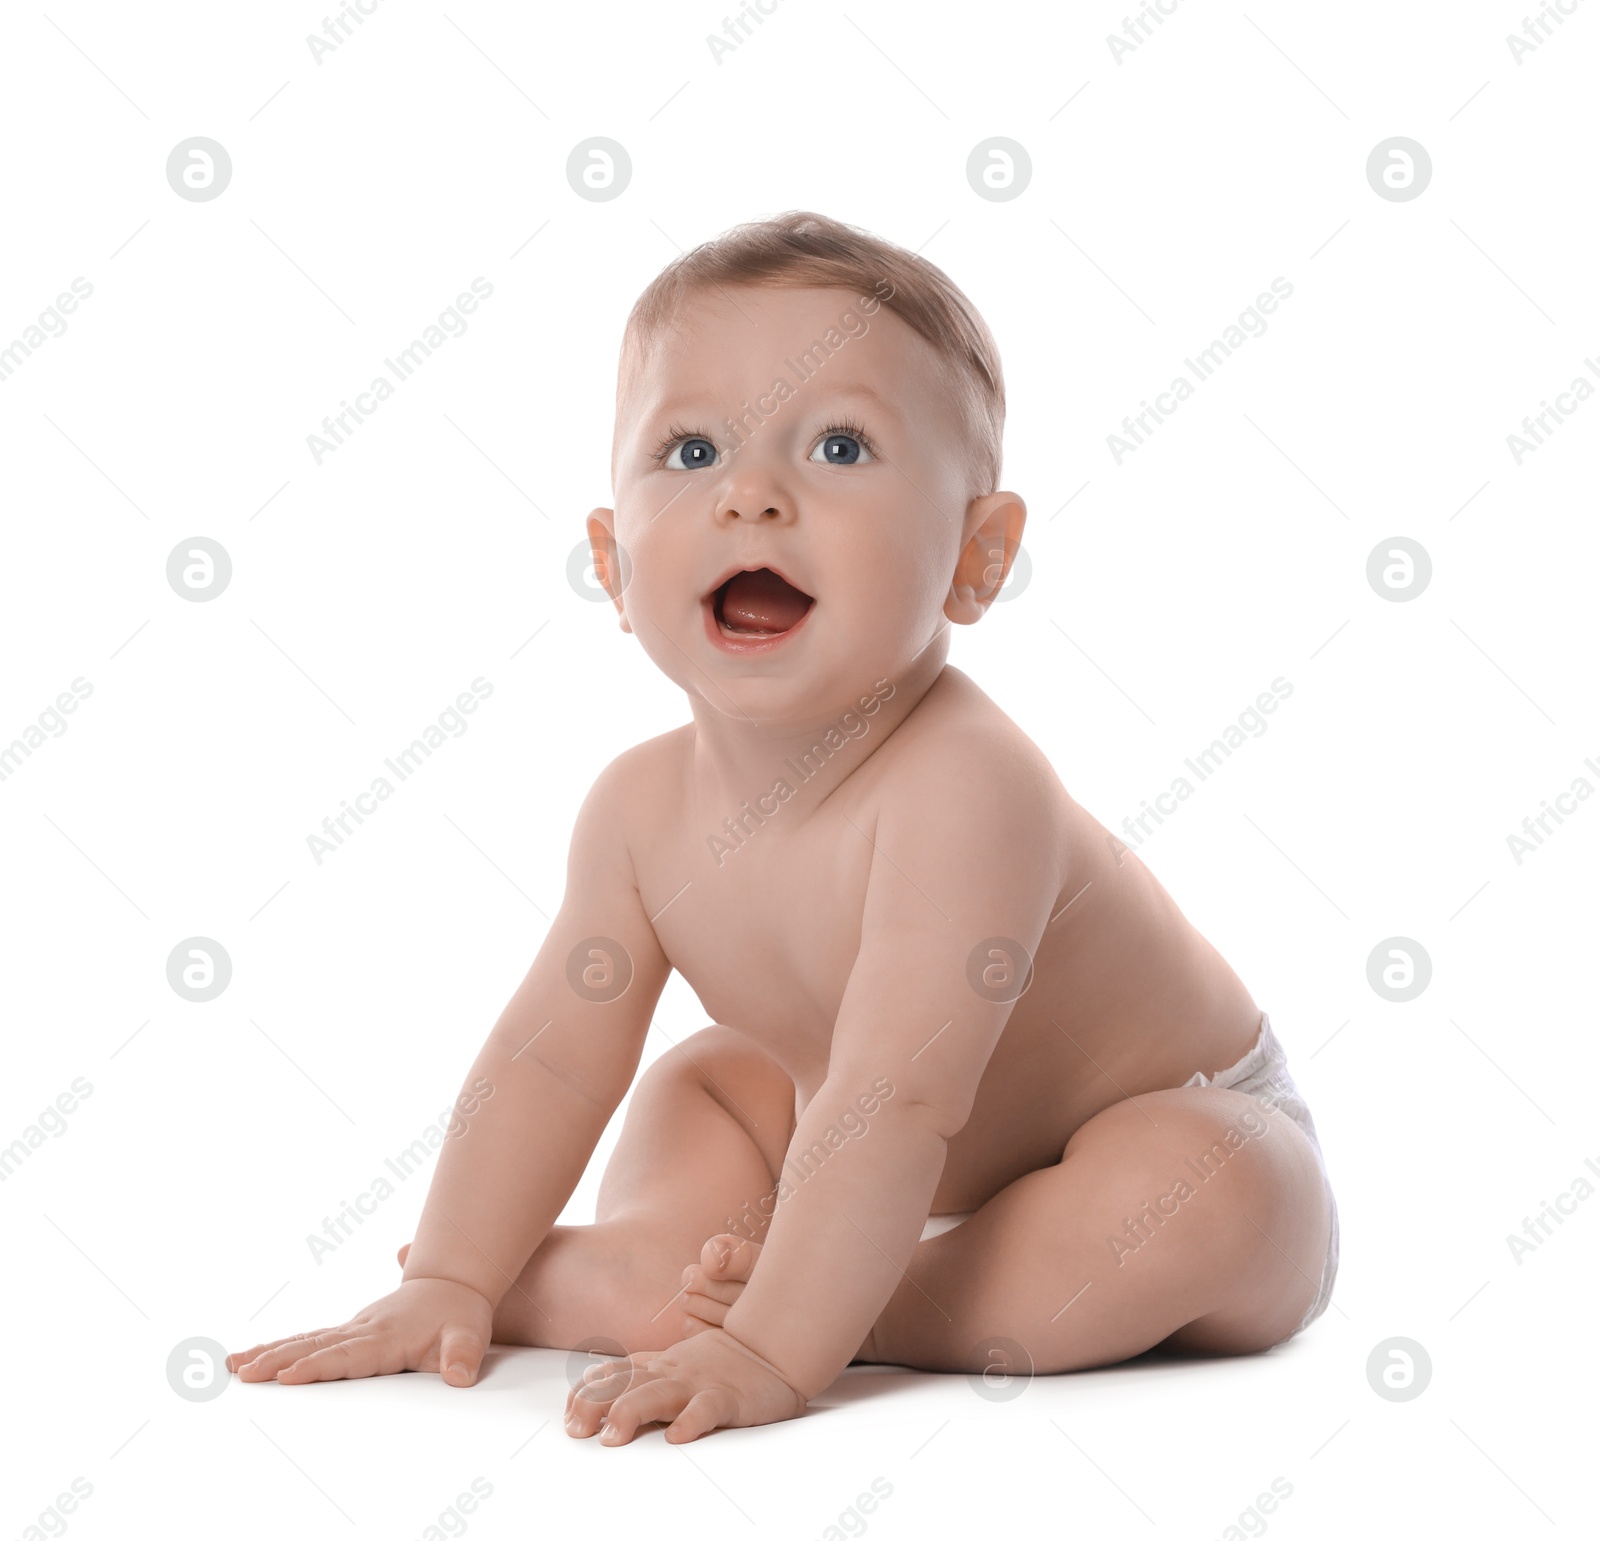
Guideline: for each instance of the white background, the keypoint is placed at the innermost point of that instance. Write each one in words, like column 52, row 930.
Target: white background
column 1167, row 191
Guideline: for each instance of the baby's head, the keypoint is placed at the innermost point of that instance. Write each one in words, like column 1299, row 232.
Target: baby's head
column 805, row 468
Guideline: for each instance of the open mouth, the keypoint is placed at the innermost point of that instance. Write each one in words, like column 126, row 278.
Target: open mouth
column 758, row 605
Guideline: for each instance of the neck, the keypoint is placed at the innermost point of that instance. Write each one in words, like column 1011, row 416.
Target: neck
column 757, row 766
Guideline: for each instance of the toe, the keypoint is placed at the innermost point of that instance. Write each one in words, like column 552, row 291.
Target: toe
column 700, row 1290
column 730, row 1258
column 401, row 1255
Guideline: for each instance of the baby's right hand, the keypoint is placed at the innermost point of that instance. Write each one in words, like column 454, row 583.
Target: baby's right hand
column 426, row 1324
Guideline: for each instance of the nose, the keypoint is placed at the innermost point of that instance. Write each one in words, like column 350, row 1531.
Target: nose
column 751, row 495
column 749, row 511
column 736, row 509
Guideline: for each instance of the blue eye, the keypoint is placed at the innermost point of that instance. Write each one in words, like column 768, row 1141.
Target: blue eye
column 841, row 449
column 690, row 455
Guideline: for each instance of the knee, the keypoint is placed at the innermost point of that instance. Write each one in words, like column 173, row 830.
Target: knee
column 682, row 1062
column 709, row 1059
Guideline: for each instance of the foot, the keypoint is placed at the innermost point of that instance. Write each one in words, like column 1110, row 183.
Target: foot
column 711, row 1286
column 607, row 1283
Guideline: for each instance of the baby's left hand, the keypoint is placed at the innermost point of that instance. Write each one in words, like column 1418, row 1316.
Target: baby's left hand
column 708, row 1381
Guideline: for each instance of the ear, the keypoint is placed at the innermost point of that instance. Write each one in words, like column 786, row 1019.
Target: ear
column 609, row 559
column 993, row 531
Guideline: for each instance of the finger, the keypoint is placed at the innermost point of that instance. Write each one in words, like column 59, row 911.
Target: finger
column 243, row 1357
column 693, row 1324
column 461, row 1351
column 706, row 1410
column 659, row 1401
column 586, row 1377
column 352, row 1360
column 591, row 1400
column 266, row 1365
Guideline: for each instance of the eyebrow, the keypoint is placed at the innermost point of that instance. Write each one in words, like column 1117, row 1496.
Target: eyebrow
column 867, row 393
column 682, row 406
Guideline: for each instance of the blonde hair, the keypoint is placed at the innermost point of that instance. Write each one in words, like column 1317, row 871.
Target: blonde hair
column 802, row 250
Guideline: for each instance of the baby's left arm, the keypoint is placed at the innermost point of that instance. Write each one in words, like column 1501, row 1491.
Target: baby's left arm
column 966, row 864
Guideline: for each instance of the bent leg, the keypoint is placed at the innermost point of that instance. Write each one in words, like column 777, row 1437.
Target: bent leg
column 701, row 1144
column 1193, row 1218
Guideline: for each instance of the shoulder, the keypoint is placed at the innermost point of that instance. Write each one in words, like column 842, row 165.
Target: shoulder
column 962, row 752
column 640, row 780
column 643, row 767
column 969, row 809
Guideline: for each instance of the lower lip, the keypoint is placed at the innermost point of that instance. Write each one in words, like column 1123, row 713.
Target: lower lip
column 754, row 642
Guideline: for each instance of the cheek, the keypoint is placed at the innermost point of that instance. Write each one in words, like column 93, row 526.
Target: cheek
column 661, row 560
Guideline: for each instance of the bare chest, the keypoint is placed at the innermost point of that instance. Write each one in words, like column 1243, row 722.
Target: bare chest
column 760, row 911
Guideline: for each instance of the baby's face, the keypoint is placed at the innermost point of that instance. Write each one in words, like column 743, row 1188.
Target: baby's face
column 787, row 539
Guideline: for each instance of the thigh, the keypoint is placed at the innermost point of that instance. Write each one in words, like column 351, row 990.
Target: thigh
column 715, row 1112
column 1192, row 1218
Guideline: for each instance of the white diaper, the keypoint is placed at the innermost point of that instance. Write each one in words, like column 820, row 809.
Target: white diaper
column 937, row 1225
column 1264, row 1072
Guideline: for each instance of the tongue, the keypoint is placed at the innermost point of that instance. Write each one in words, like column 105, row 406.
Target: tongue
column 762, row 602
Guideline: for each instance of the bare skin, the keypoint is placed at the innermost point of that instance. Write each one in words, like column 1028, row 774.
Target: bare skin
column 859, row 932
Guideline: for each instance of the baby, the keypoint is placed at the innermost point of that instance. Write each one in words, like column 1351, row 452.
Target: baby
column 979, row 1096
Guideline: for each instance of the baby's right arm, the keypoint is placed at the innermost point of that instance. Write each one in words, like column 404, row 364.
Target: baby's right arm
column 560, row 1060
